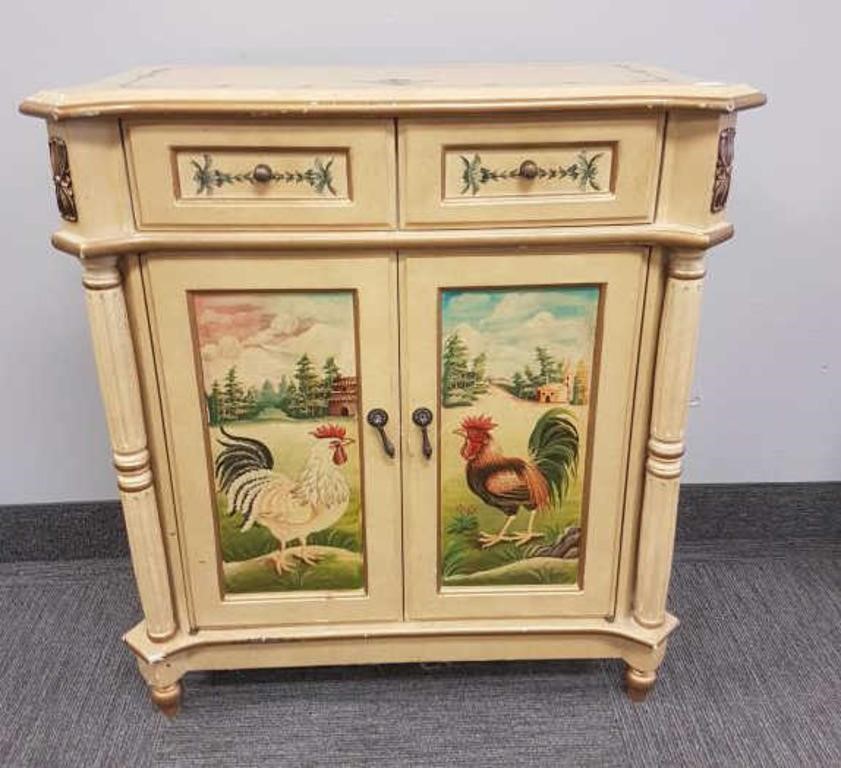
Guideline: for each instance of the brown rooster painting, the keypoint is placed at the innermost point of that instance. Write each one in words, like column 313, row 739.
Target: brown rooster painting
column 537, row 483
column 291, row 509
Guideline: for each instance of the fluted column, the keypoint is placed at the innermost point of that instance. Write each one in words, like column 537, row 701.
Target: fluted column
column 672, row 383
column 118, row 380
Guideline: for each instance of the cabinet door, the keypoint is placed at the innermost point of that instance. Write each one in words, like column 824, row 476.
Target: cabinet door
column 527, row 361
column 288, row 507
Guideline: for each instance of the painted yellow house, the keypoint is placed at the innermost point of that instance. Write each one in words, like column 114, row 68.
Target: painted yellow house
column 557, row 392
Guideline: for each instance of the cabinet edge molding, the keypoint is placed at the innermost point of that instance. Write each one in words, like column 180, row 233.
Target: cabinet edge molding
column 667, row 235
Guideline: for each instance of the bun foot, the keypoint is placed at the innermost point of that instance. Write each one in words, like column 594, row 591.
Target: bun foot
column 167, row 699
column 638, row 683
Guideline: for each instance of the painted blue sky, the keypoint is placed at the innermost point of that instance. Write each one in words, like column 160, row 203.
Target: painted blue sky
column 508, row 324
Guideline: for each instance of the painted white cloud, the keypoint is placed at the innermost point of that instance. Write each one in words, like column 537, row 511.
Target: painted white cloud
column 317, row 326
column 476, row 342
column 520, row 322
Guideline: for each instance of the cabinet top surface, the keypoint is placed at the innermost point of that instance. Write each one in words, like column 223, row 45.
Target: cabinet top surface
column 350, row 90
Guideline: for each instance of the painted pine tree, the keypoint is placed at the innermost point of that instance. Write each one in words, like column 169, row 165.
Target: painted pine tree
column 308, row 386
column 250, row 407
column 533, row 381
column 214, row 404
column 455, row 381
column 549, row 368
column 331, row 373
column 267, row 397
column 479, row 374
column 233, row 396
column 290, row 404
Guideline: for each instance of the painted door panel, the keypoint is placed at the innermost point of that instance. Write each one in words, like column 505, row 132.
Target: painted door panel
column 287, row 506
column 527, row 363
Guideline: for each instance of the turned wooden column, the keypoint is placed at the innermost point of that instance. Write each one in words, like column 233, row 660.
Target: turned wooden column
column 672, row 383
column 118, row 380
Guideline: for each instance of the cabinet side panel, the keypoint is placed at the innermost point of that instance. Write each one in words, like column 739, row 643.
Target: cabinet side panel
column 94, row 161
column 690, row 167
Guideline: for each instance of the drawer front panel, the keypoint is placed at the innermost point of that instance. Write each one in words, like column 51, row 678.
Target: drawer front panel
column 522, row 173
column 262, row 175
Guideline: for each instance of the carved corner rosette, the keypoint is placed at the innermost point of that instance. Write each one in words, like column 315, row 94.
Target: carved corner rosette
column 60, row 162
column 723, row 169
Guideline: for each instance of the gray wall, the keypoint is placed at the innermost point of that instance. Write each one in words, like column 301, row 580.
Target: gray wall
column 767, row 404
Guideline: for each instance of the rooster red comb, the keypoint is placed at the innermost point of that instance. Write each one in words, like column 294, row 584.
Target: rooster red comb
column 329, row 430
column 483, row 423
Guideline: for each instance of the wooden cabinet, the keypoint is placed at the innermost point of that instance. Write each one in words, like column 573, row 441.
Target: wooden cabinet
column 397, row 369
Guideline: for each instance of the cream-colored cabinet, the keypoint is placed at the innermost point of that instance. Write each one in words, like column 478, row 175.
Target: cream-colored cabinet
column 395, row 365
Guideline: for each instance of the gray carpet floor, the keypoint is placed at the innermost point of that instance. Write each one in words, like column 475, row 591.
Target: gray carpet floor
column 753, row 677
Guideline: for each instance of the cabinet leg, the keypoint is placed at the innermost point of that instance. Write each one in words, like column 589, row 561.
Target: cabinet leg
column 638, row 683
column 167, row 698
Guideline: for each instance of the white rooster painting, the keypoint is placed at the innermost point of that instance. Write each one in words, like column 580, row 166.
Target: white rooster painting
column 280, row 381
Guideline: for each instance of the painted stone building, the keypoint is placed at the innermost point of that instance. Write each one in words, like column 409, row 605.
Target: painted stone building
column 343, row 397
column 556, row 392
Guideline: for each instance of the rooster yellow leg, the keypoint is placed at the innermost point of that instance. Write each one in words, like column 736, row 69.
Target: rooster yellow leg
column 278, row 559
column 488, row 540
column 310, row 558
column 524, row 537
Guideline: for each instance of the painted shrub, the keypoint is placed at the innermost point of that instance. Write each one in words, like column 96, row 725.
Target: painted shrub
column 516, row 382
column 279, row 371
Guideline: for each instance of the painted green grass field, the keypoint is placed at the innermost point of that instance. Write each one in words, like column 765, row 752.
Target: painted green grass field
column 464, row 515
column 245, row 565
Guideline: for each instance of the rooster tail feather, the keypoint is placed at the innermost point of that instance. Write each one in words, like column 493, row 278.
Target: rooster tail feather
column 553, row 447
column 238, row 456
column 260, row 449
column 242, row 497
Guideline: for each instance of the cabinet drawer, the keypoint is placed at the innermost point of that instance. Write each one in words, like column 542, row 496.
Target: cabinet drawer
column 262, row 174
column 525, row 172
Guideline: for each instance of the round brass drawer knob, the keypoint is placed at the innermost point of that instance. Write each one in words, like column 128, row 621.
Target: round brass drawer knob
column 263, row 173
column 529, row 169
